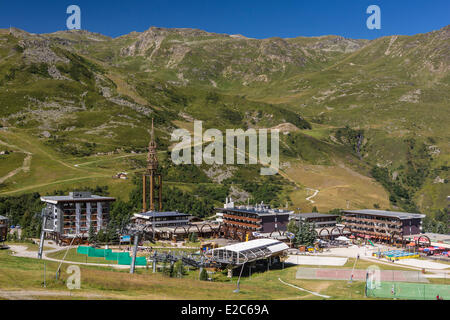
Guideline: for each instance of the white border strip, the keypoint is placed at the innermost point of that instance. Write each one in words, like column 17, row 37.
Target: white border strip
column 314, row 293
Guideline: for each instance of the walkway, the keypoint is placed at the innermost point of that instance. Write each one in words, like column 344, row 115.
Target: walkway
column 21, row 251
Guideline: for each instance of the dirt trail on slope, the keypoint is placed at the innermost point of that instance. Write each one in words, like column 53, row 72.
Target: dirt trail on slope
column 54, row 182
column 314, row 194
column 25, row 166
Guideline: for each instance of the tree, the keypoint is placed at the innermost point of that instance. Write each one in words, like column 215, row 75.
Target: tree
column 314, row 209
column 193, row 237
column 179, row 270
column 292, row 226
column 204, row 275
column 172, row 270
column 165, row 271
column 120, row 214
column 112, row 233
column 101, row 236
column 92, row 238
column 25, row 235
column 306, row 234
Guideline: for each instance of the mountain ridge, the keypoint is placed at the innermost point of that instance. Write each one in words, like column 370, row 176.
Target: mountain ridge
column 83, row 93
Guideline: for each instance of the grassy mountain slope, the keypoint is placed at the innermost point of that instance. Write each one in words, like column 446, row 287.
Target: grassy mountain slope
column 352, row 110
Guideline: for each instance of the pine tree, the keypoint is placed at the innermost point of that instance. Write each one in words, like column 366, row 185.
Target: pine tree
column 165, row 271
column 204, row 275
column 306, row 234
column 171, row 270
column 292, row 226
column 24, row 235
column 179, row 269
column 92, row 238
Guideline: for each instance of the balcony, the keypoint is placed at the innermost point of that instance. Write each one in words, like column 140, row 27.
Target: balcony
column 356, row 219
column 371, row 226
column 243, row 218
column 241, row 224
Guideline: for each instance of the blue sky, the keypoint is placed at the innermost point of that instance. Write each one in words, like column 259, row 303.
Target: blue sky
column 256, row 19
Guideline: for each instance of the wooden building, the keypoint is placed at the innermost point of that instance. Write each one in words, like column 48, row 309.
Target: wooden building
column 242, row 222
column 382, row 225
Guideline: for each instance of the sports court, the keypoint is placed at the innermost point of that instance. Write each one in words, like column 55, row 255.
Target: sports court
column 359, row 275
column 414, row 291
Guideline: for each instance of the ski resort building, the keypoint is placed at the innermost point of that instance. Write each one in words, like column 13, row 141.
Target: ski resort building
column 73, row 215
column 382, row 225
column 173, row 225
column 320, row 220
column 246, row 222
column 244, row 252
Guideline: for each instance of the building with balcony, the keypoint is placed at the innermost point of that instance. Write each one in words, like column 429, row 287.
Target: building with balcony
column 173, row 225
column 162, row 219
column 382, row 225
column 74, row 215
column 244, row 222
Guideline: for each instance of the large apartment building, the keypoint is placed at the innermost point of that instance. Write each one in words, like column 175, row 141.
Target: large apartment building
column 242, row 222
column 73, row 215
column 382, row 225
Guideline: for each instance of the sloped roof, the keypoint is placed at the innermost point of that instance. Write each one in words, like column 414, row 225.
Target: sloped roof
column 244, row 252
column 270, row 244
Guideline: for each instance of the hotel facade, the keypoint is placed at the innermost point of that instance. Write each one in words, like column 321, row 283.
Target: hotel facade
column 74, row 215
column 382, row 225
